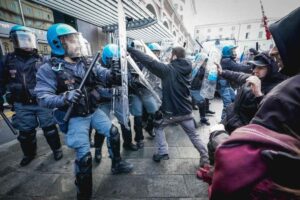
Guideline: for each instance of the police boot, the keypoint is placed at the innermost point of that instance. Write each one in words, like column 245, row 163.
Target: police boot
column 98, row 143
column 52, row 137
column 138, row 128
column 127, row 137
column 28, row 145
column 202, row 112
column 150, row 125
column 84, row 181
column 118, row 165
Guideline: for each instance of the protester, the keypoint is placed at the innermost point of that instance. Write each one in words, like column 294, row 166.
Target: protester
column 176, row 103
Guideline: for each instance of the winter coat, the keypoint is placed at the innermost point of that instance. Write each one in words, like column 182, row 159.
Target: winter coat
column 280, row 109
column 246, row 104
column 176, row 82
column 241, row 172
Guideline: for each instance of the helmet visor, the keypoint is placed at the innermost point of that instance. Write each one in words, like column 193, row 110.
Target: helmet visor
column 24, row 40
column 72, row 45
column 85, row 46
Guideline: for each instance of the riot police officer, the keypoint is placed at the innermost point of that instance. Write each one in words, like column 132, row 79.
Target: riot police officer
column 20, row 68
column 56, row 86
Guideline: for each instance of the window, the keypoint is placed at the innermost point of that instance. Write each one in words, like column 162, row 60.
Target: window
column 233, row 28
column 208, row 30
column 220, row 29
column 248, row 26
column 260, row 34
column 247, row 35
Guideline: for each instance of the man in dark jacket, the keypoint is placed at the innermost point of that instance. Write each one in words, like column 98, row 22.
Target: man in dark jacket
column 228, row 63
column 253, row 88
column 176, row 103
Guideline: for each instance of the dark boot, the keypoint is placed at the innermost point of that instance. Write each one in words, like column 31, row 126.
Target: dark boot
column 138, row 128
column 202, row 112
column 98, row 143
column 127, row 138
column 150, row 125
column 118, row 165
column 28, row 145
column 84, row 180
column 52, row 137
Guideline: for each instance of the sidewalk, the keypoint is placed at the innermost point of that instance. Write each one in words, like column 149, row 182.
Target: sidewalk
column 46, row 179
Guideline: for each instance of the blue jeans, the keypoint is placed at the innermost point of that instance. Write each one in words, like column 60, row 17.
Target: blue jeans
column 29, row 117
column 137, row 103
column 227, row 94
column 197, row 98
column 77, row 136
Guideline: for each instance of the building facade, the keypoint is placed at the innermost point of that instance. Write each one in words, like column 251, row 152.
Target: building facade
column 171, row 13
column 247, row 34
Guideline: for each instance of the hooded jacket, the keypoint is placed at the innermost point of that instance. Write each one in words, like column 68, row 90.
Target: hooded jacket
column 246, row 104
column 280, row 109
column 285, row 33
column 176, row 82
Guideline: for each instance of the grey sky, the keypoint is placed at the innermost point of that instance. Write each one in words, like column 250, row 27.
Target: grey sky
column 218, row 11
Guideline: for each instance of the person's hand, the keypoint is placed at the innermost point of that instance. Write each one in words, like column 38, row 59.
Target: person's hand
column 73, row 96
column 219, row 68
column 255, row 84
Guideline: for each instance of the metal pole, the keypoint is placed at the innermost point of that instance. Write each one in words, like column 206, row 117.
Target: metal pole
column 22, row 14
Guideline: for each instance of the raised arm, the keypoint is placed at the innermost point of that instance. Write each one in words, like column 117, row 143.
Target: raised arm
column 157, row 68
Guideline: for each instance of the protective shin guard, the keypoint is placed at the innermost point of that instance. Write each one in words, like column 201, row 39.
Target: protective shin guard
column 150, row 125
column 27, row 141
column 118, row 165
column 138, row 128
column 52, row 137
column 84, row 180
column 99, row 140
column 126, row 134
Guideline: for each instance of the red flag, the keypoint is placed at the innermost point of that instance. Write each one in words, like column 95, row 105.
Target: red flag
column 265, row 22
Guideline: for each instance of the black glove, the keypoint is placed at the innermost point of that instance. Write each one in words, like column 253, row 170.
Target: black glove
column 116, row 76
column 73, row 96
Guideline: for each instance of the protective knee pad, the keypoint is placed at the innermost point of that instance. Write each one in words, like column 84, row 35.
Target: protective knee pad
column 84, row 181
column 52, row 137
column 84, row 165
column 27, row 136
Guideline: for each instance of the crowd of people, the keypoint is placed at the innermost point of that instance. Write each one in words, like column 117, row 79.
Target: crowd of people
column 254, row 153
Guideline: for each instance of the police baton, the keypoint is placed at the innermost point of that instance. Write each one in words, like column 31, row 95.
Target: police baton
column 70, row 109
column 8, row 123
